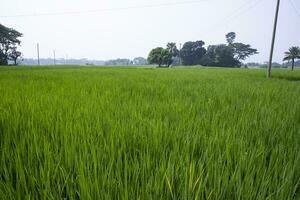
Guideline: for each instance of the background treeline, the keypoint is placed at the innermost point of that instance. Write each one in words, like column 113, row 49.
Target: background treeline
column 9, row 55
column 129, row 62
column 71, row 61
column 274, row 64
column 231, row 54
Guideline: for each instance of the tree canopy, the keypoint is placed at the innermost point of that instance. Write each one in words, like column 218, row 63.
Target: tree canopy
column 220, row 56
column 172, row 48
column 241, row 51
column 192, row 53
column 9, row 40
column 230, row 37
column 230, row 55
column 160, row 56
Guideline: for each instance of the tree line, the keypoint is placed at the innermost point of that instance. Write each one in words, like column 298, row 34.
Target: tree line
column 194, row 53
column 231, row 54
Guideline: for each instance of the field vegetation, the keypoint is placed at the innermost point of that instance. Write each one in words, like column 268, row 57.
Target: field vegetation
column 144, row 133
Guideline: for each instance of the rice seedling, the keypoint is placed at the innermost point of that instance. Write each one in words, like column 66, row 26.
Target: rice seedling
column 137, row 133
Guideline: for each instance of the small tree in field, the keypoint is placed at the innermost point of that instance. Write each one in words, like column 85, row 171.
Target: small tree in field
column 292, row 55
column 14, row 55
column 160, row 56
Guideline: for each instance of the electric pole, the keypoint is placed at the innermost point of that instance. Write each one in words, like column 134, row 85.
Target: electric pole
column 273, row 39
column 66, row 59
column 54, row 57
column 38, row 53
column 180, row 54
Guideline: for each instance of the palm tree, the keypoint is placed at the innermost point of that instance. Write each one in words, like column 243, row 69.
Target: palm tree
column 292, row 54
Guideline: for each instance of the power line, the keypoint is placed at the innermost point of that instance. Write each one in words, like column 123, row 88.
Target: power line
column 252, row 6
column 104, row 9
column 241, row 10
column 294, row 7
column 232, row 13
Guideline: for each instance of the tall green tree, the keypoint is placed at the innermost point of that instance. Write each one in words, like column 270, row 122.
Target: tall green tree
column 241, row 51
column 9, row 40
column 172, row 48
column 192, row 53
column 14, row 55
column 291, row 55
column 160, row 56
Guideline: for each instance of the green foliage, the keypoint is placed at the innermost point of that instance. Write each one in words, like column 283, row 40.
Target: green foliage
column 14, row 55
column 172, row 48
column 9, row 40
column 229, row 55
column 230, row 37
column 160, row 56
column 192, row 53
column 243, row 51
column 104, row 133
column 220, row 56
column 292, row 55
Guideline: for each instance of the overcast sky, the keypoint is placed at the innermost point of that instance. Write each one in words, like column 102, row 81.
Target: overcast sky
column 116, row 32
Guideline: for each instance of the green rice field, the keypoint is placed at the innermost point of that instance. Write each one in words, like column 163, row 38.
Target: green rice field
column 146, row 133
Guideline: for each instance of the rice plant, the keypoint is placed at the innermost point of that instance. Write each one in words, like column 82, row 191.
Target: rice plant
column 143, row 133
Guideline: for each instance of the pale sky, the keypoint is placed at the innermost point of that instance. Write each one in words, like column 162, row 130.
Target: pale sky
column 112, row 32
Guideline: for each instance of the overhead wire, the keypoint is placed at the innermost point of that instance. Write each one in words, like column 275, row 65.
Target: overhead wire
column 295, row 9
column 241, row 10
column 103, row 9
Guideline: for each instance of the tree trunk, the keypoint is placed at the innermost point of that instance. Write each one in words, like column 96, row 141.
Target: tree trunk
column 293, row 64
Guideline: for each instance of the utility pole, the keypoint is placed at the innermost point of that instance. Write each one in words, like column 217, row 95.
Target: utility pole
column 273, row 39
column 66, row 62
column 180, row 53
column 54, row 57
column 38, row 52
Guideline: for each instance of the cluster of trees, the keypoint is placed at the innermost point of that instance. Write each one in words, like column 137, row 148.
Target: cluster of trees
column 231, row 54
column 9, row 41
column 194, row 53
